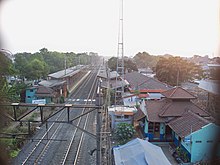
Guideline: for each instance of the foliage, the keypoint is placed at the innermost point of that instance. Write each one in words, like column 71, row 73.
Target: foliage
column 37, row 65
column 145, row 60
column 129, row 65
column 124, row 132
column 174, row 70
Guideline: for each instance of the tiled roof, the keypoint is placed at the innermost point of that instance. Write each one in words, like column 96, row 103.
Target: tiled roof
column 177, row 108
column 45, row 91
column 138, row 81
column 153, row 110
column 139, row 115
column 159, row 110
column 178, row 93
column 188, row 123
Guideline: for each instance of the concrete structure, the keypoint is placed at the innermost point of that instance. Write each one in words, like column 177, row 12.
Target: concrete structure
column 121, row 114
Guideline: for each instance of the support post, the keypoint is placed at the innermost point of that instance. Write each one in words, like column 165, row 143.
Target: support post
column 15, row 115
column 29, row 128
column 41, row 114
column 68, row 114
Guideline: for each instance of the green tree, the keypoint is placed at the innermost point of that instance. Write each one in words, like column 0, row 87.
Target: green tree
column 37, row 69
column 175, row 70
column 124, row 132
column 129, row 65
column 145, row 60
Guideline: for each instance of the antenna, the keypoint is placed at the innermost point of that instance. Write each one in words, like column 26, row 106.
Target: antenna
column 120, row 58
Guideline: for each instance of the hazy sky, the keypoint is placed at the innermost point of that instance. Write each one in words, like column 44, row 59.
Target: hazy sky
column 178, row 27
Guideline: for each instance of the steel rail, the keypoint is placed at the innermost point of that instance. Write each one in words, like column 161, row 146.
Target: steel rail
column 74, row 134
column 58, row 117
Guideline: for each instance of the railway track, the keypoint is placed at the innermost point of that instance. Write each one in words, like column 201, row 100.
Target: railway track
column 40, row 149
column 72, row 154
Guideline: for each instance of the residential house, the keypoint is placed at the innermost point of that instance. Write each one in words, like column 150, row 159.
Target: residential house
column 160, row 112
column 30, row 94
column 46, row 93
column 58, row 86
column 177, row 119
column 196, row 136
column 144, row 84
column 121, row 114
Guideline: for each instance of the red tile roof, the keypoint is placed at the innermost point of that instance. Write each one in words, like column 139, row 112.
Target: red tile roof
column 45, row 92
column 140, row 82
column 153, row 110
column 177, row 108
column 160, row 110
column 139, row 115
column 189, row 122
column 178, row 93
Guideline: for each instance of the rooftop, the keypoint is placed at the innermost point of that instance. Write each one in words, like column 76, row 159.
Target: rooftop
column 66, row 72
column 178, row 93
column 119, row 108
column 138, row 81
column 186, row 124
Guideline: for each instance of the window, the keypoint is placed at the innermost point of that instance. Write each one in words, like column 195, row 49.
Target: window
column 209, row 141
column 150, row 127
column 31, row 90
column 198, row 141
column 157, row 127
column 29, row 97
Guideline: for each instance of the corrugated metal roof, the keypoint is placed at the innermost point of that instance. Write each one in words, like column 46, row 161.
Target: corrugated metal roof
column 211, row 86
column 66, row 73
column 139, row 152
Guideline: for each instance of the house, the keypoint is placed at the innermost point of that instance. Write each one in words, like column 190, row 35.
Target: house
column 146, row 71
column 46, row 93
column 121, row 114
column 144, row 84
column 177, row 119
column 196, row 136
column 160, row 112
column 213, row 91
column 139, row 152
column 30, row 94
column 58, row 86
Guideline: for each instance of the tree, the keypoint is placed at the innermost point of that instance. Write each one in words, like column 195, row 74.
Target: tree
column 145, row 60
column 129, row 65
column 37, row 69
column 174, row 70
column 124, row 132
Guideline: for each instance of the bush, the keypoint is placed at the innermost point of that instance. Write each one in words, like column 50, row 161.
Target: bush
column 124, row 132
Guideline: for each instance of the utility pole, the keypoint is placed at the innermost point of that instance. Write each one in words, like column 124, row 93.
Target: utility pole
column 65, row 63
column 99, row 102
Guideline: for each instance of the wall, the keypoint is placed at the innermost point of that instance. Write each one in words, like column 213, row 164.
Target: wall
column 30, row 95
column 203, row 141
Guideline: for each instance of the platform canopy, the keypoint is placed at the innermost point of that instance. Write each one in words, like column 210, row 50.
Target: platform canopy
column 139, row 152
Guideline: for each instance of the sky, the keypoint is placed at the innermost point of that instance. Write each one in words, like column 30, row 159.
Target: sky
column 177, row 27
